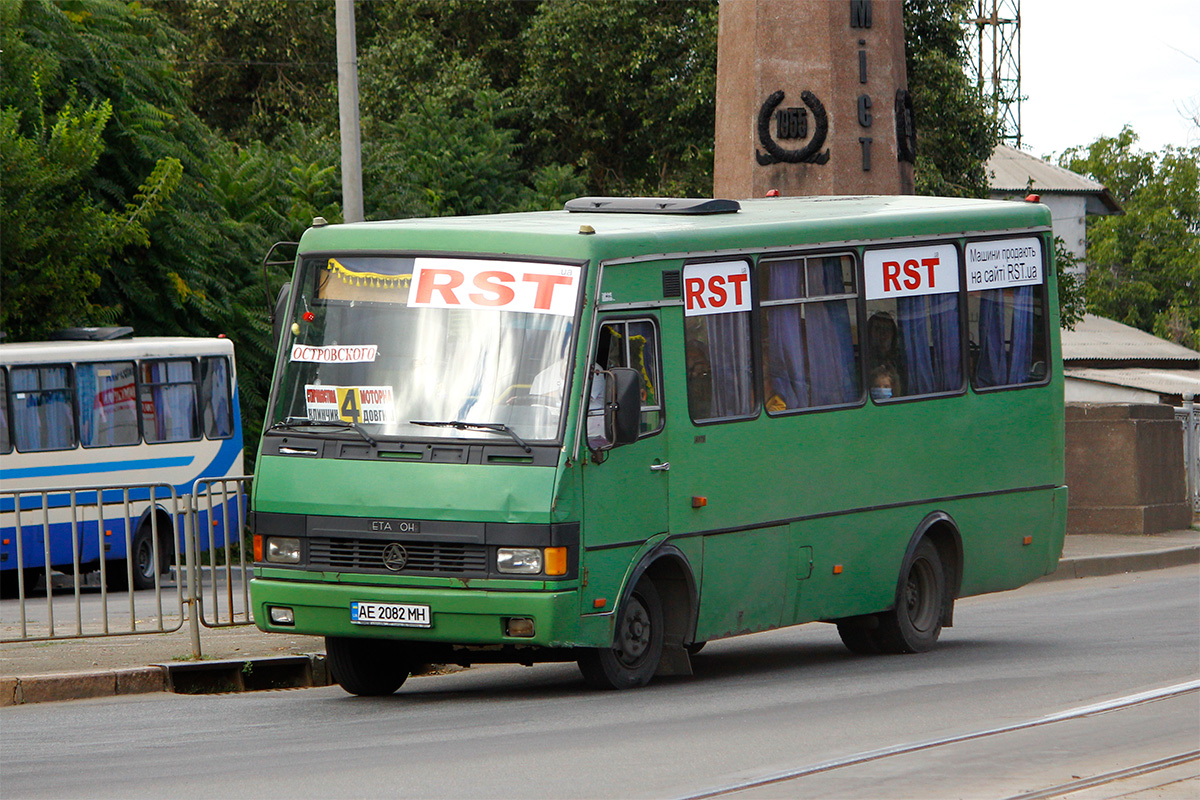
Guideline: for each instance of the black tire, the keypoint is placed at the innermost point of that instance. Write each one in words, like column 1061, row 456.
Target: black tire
column 914, row 625
column 10, row 586
column 858, row 637
column 633, row 659
column 144, row 567
column 367, row 667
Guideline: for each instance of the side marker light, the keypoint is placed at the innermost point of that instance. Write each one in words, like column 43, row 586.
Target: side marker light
column 1028, row 540
column 699, row 502
column 599, row 602
column 837, row 569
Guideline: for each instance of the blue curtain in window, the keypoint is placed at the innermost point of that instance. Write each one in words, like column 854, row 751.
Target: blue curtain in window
column 788, row 379
column 947, row 343
column 1020, row 358
column 914, row 338
column 830, row 345
column 929, row 335
column 992, row 369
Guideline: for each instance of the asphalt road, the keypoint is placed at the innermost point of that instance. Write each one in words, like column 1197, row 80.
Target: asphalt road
column 784, row 714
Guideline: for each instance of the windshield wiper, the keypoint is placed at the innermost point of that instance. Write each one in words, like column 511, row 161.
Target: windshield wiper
column 295, row 423
column 496, row 427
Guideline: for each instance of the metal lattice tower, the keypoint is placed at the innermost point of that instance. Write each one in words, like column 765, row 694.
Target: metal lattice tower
column 994, row 54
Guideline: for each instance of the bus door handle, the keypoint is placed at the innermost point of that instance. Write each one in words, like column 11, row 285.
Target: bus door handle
column 663, row 467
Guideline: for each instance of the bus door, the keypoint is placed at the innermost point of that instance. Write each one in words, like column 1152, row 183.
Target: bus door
column 625, row 489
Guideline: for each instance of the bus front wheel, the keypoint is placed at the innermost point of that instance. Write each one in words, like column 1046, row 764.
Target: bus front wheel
column 633, row 659
column 367, row 667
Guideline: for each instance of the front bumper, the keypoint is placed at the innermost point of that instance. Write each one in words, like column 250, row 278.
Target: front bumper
column 471, row 617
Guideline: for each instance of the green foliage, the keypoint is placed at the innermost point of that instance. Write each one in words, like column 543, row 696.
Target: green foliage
column 257, row 66
column 1144, row 265
column 54, row 243
column 1071, row 305
column 956, row 129
column 625, row 91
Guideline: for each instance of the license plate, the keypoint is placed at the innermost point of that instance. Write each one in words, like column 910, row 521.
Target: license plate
column 403, row 615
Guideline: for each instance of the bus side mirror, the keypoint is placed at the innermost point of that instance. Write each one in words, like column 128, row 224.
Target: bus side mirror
column 281, row 301
column 623, row 406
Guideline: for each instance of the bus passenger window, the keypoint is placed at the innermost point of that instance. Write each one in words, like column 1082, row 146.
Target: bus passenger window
column 913, row 335
column 168, row 397
column 42, row 406
column 810, row 328
column 716, row 326
column 5, row 439
column 1006, row 307
column 107, row 404
column 214, row 391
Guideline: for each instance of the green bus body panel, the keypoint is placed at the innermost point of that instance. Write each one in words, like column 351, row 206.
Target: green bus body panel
column 404, row 489
column 807, row 516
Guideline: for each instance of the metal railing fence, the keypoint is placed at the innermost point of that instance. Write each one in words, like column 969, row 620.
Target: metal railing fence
column 194, row 544
column 1189, row 416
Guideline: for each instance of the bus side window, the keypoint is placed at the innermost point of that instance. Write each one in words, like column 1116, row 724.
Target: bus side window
column 717, row 347
column 719, row 368
column 214, row 391
column 168, row 396
column 810, row 322
column 1008, row 345
column 43, row 408
column 107, row 404
column 5, row 439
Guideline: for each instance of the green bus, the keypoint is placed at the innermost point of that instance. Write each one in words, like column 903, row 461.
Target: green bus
column 612, row 433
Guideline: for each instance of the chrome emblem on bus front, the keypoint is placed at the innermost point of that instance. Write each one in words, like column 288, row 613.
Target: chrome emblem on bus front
column 395, row 557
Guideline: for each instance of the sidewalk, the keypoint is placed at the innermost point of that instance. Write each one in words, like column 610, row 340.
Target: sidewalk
column 245, row 658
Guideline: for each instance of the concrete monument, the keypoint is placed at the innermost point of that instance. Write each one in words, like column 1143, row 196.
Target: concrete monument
column 812, row 99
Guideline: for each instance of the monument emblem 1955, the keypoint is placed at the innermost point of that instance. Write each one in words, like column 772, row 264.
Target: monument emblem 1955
column 812, row 99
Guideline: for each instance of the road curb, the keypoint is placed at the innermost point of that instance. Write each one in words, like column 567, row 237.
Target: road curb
column 199, row 677
column 1097, row 566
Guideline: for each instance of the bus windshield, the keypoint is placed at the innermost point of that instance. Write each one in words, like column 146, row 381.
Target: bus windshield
column 389, row 343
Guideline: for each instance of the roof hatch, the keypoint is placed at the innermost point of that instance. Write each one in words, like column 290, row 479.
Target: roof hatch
column 653, row 205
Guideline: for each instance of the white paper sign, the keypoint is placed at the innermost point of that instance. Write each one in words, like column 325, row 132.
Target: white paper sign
column 721, row 288
column 337, row 354
column 349, row 403
column 501, row 285
column 910, row 271
column 1004, row 263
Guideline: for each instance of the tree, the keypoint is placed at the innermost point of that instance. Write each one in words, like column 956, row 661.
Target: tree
column 624, row 90
column 956, row 129
column 1144, row 265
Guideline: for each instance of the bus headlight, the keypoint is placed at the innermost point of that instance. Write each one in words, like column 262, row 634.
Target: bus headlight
column 283, row 550
column 519, row 560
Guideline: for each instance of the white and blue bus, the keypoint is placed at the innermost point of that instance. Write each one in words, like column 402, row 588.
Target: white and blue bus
column 110, row 415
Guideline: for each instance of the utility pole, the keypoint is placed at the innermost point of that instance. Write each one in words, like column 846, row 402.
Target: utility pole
column 347, row 57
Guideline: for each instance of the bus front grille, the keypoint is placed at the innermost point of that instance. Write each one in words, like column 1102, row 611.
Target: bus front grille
column 413, row 558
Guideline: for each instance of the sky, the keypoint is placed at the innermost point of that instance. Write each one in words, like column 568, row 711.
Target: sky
column 1088, row 67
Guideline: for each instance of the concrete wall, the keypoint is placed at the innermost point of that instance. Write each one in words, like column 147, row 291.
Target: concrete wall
column 1125, row 470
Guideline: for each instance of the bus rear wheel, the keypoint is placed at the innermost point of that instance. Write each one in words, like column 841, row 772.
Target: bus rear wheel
column 633, row 659
column 367, row 667
column 145, row 569
column 914, row 625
